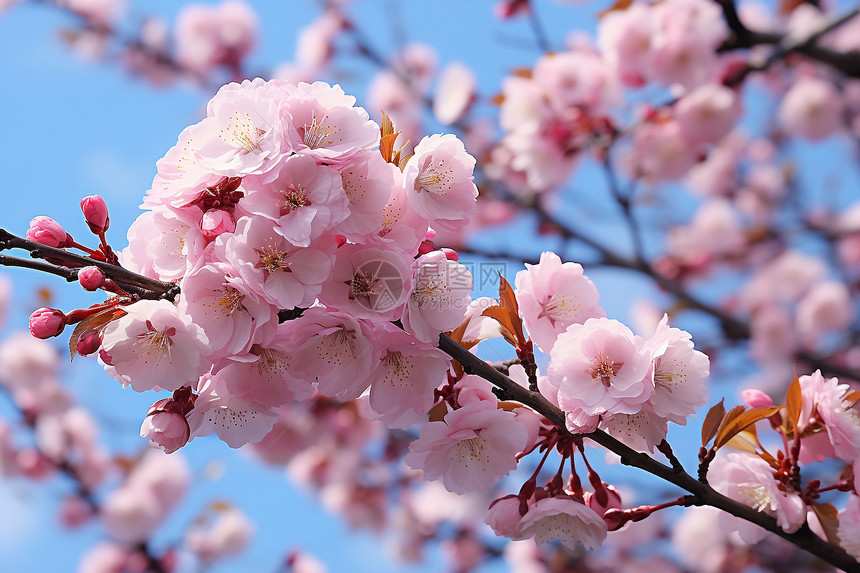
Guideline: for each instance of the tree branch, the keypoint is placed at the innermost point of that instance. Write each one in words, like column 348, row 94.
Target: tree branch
column 65, row 264
column 803, row 538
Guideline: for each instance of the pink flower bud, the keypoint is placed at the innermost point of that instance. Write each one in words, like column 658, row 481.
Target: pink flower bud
column 615, row 518
column 74, row 511
column 339, row 239
column 47, row 322
column 756, row 398
column 91, row 278
column 426, row 247
column 603, row 499
column 34, row 464
column 96, row 213
column 166, row 430
column 216, row 222
column 89, row 342
column 46, row 231
column 451, row 255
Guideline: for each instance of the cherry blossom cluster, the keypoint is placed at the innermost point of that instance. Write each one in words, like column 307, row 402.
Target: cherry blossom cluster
column 66, row 442
column 297, row 237
column 819, row 422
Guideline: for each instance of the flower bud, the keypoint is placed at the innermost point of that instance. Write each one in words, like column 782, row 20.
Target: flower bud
column 47, row 322
column 339, row 239
column 88, row 342
column 91, row 278
column 96, row 213
column 756, row 398
column 46, row 231
column 426, row 247
column 451, row 255
column 604, row 498
column 166, row 430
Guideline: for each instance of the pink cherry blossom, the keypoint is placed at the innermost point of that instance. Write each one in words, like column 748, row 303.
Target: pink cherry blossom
column 333, row 350
column 641, row 431
column 708, row 113
column 228, row 534
column 679, row 373
column 825, row 402
column 154, row 346
column 403, row 228
column 368, row 282
column 281, row 273
column 624, row 37
column 600, row 367
column 553, row 295
column 575, row 78
column 325, row 123
column 405, row 373
column 566, row 520
column 827, row 307
column 504, row 517
column 849, row 527
column 210, row 36
column 226, row 308
column 471, row 450
column 166, row 430
column 245, row 129
column 236, row 421
column 367, row 182
column 454, row 93
column 130, row 514
column 811, row 108
column 305, row 199
column 438, row 181
column 315, row 44
column 750, row 480
column 439, row 296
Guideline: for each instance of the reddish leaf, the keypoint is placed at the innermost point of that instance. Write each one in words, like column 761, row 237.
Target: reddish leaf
column 523, row 73
column 793, row 404
column 498, row 99
column 734, row 424
column 92, row 322
column 387, row 137
column 728, row 418
column 852, row 397
column 508, row 301
column 712, row 422
column 503, row 317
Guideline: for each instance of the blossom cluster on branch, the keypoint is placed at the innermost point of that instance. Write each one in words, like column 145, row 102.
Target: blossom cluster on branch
column 287, row 284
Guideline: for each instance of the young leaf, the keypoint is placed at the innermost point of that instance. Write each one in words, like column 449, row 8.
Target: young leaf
column 793, row 404
column 743, row 441
column 508, row 301
column 712, row 422
column 741, row 422
column 727, row 419
column 503, row 317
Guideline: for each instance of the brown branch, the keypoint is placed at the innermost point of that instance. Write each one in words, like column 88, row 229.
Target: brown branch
column 59, row 258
